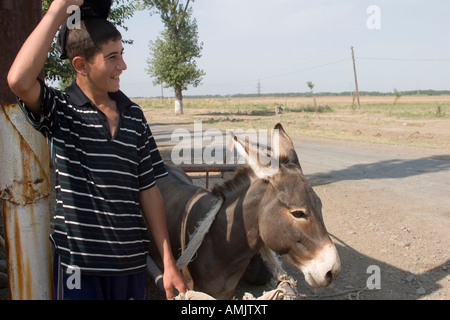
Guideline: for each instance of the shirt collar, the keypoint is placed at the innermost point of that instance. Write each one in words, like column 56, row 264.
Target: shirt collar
column 78, row 98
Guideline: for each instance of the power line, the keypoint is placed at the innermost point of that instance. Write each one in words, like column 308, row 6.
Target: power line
column 325, row 65
column 307, row 69
column 403, row 59
column 287, row 73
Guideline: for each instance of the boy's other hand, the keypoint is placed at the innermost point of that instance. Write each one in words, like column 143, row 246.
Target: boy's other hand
column 173, row 279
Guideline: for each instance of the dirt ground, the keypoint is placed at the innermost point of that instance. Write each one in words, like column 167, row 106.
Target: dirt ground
column 386, row 201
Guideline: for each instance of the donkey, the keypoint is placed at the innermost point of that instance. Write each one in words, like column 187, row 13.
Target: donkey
column 261, row 206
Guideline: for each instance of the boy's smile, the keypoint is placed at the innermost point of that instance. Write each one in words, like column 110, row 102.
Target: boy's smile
column 106, row 67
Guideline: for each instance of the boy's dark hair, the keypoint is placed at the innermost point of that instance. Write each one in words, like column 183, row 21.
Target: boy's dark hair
column 87, row 40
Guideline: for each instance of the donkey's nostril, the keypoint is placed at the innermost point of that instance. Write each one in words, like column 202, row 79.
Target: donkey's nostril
column 329, row 276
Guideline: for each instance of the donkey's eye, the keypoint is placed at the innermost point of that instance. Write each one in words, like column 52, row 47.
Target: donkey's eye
column 299, row 214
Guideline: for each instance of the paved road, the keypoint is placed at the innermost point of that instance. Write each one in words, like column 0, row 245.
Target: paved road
column 420, row 178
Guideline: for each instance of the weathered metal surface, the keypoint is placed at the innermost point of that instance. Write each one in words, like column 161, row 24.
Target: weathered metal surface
column 25, row 163
column 28, row 252
column 24, row 190
column 24, row 172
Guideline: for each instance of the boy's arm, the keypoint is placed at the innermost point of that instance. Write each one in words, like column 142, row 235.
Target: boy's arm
column 31, row 58
column 153, row 210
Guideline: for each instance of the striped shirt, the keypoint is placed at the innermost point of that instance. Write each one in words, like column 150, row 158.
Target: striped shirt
column 98, row 227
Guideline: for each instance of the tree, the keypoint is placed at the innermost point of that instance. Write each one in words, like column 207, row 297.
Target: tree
column 56, row 69
column 311, row 86
column 397, row 95
column 173, row 53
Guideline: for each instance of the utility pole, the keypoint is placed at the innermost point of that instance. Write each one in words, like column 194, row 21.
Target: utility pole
column 356, row 79
column 258, row 87
column 24, row 173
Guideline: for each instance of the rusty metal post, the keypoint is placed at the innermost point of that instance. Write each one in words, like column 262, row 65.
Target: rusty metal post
column 24, row 169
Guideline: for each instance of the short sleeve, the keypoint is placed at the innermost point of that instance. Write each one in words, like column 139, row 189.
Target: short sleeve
column 49, row 98
column 145, row 169
column 151, row 166
column 159, row 169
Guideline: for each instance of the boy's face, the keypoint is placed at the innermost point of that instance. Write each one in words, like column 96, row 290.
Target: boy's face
column 106, row 67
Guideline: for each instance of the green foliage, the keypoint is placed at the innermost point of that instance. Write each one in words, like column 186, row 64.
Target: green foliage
column 397, row 95
column 56, row 69
column 174, row 52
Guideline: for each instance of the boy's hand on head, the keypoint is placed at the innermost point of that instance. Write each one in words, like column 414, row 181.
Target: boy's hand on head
column 74, row 2
column 64, row 4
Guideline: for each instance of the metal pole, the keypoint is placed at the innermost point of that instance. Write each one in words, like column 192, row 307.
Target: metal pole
column 24, row 170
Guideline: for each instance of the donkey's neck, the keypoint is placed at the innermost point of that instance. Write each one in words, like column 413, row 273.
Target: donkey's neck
column 235, row 186
column 239, row 212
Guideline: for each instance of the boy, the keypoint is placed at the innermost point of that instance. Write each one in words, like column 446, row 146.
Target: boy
column 105, row 161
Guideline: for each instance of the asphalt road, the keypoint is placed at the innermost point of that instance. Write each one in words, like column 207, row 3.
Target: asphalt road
column 417, row 177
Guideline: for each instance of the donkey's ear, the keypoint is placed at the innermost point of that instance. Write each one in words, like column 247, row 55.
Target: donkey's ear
column 262, row 165
column 282, row 145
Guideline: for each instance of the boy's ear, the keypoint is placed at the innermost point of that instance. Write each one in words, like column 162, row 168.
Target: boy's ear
column 80, row 65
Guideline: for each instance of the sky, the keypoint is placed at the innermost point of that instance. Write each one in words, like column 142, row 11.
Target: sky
column 275, row 46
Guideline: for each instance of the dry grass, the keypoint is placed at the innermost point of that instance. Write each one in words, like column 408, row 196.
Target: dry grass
column 414, row 120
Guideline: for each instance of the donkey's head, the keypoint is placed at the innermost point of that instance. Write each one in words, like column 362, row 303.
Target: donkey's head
column 290, row 212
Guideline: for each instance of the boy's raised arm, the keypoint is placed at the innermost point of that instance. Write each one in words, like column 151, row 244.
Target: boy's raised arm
column 22, row 77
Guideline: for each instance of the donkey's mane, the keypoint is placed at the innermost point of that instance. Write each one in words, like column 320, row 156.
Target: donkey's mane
column 242, row 176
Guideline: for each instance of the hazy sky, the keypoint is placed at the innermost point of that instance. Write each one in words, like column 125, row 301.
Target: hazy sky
column 401, row 44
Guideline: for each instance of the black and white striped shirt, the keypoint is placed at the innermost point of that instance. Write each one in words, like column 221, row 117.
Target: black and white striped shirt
column 99, row 227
